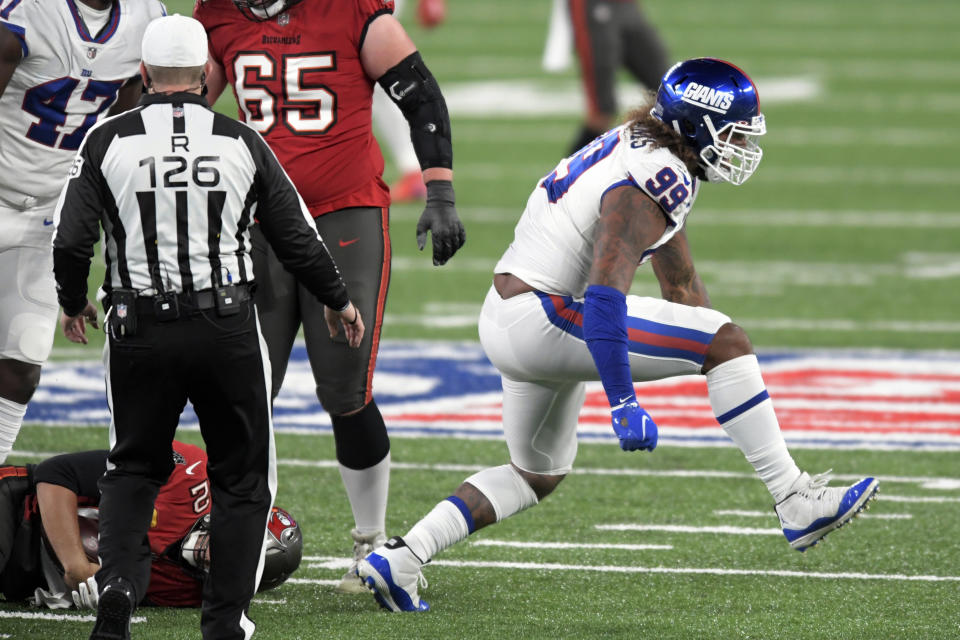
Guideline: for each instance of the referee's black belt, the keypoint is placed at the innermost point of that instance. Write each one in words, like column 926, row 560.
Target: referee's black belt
column 191, row 301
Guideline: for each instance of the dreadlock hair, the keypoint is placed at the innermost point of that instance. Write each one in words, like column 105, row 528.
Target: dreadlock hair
column 663, row 135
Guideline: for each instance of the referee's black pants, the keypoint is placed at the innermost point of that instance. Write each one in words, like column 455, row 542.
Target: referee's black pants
column 221, row 366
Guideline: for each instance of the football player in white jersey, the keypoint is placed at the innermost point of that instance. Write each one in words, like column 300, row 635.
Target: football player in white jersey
column 63, row 65
column 558, row 315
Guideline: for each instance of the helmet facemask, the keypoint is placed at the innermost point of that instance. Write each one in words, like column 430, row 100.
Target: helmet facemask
column 260, row 10
column 735, row 152
column 714, row 107
column 195, row 548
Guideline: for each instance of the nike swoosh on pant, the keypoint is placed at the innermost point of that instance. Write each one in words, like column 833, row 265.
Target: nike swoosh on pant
column 347, row 243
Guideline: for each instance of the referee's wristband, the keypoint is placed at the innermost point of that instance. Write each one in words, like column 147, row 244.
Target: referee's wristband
column 356, row 312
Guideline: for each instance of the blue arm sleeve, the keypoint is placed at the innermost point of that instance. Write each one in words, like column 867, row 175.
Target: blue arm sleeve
column 605, row 332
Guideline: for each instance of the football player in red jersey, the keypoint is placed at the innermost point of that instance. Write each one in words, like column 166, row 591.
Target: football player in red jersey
column 303, row 73
column 43, row 555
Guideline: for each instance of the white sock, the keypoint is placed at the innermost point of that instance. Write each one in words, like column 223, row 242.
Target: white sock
column 443, row 527
column 394, row 131
column 11, row 418
column 742, row 406
column 367, row 491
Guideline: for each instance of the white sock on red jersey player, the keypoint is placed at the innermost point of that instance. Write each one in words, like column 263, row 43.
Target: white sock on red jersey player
column 367, row 490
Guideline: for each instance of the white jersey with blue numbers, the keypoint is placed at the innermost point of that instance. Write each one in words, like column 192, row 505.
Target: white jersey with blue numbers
column 67, row 79
column 552, row 249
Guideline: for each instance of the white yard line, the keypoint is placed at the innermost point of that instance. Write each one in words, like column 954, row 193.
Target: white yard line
column 515, row 544
column 60, row 617
column 770, row 514
column 832, row 218
column 499, row 99
column 325, row 583
column 551, row 566
column 800, row 136
column 920, row 499
column 769, row 177
column 680, row 528
column 934, row 482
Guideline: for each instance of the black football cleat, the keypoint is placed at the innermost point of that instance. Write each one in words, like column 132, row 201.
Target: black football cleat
column 113, row 611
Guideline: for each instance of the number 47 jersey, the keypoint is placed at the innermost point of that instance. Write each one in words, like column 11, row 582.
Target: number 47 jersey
column 552, row 249
column 66, row 80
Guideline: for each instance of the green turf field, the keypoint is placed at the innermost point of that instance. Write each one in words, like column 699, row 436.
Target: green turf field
column 890, row 576
column 847, row 236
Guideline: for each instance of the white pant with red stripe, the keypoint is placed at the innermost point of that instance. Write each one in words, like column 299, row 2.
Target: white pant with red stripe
column 536, row 342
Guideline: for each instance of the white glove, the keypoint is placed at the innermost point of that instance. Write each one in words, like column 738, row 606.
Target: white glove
column 87, row 594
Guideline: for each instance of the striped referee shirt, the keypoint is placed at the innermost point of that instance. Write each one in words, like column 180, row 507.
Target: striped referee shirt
column 175, row 187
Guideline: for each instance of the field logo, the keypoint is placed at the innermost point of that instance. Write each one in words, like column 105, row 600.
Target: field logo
column 823, row 399
column 707, row 97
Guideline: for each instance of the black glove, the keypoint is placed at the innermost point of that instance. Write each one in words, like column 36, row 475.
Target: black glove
column 440, row 218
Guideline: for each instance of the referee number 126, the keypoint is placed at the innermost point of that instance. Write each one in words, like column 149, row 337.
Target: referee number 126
column 203, row 170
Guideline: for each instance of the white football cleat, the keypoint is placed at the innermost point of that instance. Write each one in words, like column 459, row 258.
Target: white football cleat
column 812, row 509
column 363, row 544
column 392, row 572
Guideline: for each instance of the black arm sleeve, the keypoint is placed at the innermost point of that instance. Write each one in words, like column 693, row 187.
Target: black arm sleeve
column 411, row 85
column 77, row 472
column 78, row 225
column 287, row 226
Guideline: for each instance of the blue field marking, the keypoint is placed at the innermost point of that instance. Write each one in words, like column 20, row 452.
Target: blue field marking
column 824, row 399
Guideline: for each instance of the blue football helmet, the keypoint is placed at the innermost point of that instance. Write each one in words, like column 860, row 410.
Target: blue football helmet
column 715, row 107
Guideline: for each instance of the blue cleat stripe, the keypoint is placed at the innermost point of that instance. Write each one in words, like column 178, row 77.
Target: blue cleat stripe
column 847, row 504
column 400, row 597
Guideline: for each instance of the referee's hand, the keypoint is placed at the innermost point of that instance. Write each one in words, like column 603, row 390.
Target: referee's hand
column 351, row 321
column 75, row 327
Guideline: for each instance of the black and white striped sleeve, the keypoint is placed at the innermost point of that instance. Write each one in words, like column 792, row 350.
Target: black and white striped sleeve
column 77, row 220
column 287, row 226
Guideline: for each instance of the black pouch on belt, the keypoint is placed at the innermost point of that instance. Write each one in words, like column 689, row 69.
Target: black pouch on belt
column 123, row 313
column 227, row 300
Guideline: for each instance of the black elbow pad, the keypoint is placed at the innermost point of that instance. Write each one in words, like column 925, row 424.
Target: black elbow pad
column 414, row 89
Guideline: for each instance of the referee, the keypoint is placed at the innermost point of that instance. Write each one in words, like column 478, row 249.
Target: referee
column 176, row 187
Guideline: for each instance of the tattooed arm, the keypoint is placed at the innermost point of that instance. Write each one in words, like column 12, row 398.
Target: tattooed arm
column 679, row 281
column 630, row 221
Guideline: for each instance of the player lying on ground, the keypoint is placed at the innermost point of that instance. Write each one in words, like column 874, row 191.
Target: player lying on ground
column 49, row 555
column 558, row 315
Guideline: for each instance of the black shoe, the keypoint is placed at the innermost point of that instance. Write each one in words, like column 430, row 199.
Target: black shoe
column 114, row 611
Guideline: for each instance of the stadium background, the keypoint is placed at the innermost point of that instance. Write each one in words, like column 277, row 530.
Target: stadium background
column 846, row 239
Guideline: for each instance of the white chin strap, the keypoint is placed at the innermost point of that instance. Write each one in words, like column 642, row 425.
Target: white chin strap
column 265, row 13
